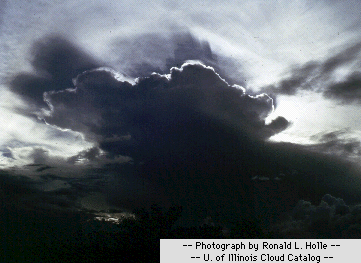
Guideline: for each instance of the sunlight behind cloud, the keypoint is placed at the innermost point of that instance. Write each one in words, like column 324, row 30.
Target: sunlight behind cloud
column 310, row 114
column 265, row 38
column 21, row 134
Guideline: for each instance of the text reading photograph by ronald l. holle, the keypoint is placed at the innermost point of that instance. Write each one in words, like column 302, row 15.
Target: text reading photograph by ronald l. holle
column 259, row 250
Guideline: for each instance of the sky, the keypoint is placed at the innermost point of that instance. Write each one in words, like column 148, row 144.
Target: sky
column 149, row 88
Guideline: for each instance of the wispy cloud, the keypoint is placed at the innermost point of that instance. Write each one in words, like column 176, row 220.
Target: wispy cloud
column 336, row 77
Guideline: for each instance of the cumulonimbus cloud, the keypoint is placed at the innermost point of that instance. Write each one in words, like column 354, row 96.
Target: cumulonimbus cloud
column 188, row 127
column 196, row 139
column 157, row 106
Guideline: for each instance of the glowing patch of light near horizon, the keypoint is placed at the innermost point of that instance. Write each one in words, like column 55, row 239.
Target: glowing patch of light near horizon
column 115, row 218
column 292, row 138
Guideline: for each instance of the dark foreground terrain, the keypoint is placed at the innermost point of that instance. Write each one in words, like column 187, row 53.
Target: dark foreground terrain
column 51, row 235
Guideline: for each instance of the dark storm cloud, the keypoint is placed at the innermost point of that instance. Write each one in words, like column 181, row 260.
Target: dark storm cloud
column 319, row 76
column 56, row 61
column 157, row 107
column 187, row 128
column 31, row 86
column 279, row 124
column 196, row 141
